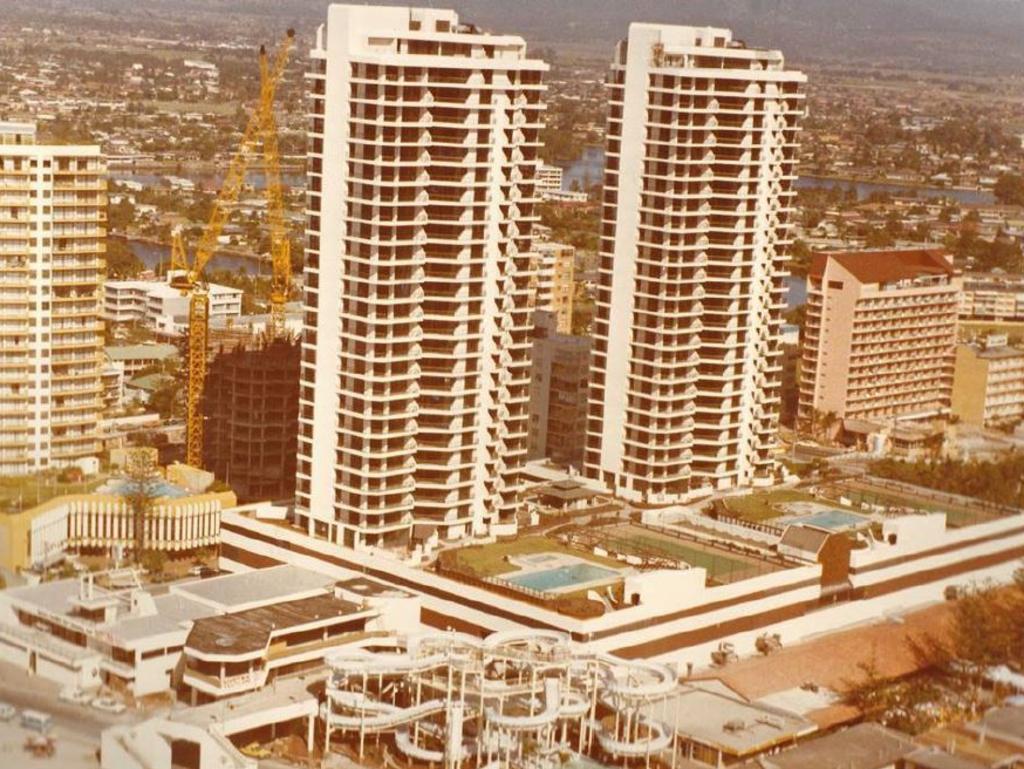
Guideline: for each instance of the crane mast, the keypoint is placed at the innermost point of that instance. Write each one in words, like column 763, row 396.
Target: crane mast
column 261, row 129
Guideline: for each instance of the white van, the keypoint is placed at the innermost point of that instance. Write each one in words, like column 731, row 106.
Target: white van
column 36, row 721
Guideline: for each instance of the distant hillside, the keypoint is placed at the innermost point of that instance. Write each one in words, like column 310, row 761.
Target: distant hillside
column 945, row 35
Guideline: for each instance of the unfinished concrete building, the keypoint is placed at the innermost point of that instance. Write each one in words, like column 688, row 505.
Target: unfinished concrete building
column 251, row 402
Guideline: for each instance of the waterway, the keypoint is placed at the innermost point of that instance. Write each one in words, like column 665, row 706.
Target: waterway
column 588, row 170
column 154, row 254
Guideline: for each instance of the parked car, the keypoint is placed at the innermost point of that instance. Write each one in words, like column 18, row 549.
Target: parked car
column 108, row 705
column 40, row 746
column 75, row 695
column 7, row 711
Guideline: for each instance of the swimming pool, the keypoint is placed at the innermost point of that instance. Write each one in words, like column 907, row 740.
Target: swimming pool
column 160, row 488
column 563, row 576
column 836, row 520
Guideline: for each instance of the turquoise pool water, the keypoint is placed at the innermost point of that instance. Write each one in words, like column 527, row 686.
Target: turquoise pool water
column 160, row 488
column 836, row 520
column 563, row 576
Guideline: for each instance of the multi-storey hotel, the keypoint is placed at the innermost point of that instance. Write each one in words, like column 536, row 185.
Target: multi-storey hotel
column 879, row 337
column 698, row 196
column 415, row 360
column 52, row 242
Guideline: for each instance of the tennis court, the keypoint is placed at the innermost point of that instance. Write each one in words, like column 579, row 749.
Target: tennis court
column 721, row 565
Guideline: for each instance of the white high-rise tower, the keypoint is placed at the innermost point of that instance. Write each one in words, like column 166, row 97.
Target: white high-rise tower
column 53, row 211
column 415, row 362
column 698, row 197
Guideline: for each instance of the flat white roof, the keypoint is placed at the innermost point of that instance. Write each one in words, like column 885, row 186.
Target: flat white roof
column 234, row 592
column 712, row 717
column 174, row 613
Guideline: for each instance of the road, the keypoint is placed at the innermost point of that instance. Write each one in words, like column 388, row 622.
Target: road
column 76, row 728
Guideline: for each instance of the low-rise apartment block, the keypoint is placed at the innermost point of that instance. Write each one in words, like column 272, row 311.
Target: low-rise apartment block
column 549, row 180
column 988, row 383
column 992, row 296
column 880, row 335
column 160, row 306
column 137, row 357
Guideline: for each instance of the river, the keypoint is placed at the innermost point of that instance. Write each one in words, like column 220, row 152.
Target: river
column 153, row 254
column 588, row 170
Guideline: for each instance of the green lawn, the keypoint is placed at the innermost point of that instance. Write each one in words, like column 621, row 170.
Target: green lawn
column 716, row 564
column 956, row 516
column 489, row 560
column 761, row 506
column 18, row 493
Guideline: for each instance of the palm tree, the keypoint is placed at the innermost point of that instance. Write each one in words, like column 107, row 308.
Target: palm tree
column 142, row 479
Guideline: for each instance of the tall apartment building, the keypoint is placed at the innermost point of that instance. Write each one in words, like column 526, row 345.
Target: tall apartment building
column 698, row 197
column 988, row 383
column 53, row 224
column 556, row 270
column 880, row 335
column 416, row 346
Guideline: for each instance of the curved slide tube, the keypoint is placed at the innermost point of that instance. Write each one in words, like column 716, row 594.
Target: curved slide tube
column 661, row 738
column 376, row 715
column 552, row 710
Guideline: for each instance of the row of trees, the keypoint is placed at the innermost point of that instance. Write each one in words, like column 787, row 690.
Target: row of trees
column 999, row 481
column 985, row 630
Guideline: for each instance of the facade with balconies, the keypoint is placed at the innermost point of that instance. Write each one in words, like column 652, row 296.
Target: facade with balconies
column 698, row 199
column 988, row 383
column 52, row 243
column 424, row 142
column 879, row 336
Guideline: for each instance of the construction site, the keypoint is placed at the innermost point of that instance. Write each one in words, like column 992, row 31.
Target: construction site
column 251, row 403
column 242, row 404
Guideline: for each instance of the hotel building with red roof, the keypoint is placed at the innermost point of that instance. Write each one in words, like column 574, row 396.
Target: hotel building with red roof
column 880, row 335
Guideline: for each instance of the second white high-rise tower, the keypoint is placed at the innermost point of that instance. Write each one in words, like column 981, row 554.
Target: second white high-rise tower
column 698, row 195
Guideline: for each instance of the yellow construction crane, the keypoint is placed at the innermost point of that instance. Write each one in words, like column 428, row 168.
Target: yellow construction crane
column 261, row 129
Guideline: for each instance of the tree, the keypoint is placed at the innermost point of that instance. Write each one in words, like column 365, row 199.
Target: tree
column 800, row 258
column 121, row 260
column 168, row 399
column 142, row 480
column 1009, row 189
column 997, row 482
column 154, row 561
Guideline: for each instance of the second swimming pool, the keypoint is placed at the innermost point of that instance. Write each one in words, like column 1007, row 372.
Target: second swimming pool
column 563, row 576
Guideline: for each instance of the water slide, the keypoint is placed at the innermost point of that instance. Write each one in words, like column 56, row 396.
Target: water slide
column 549, row 714
column 374, row 715
column 658, row 680
column 659, row 739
